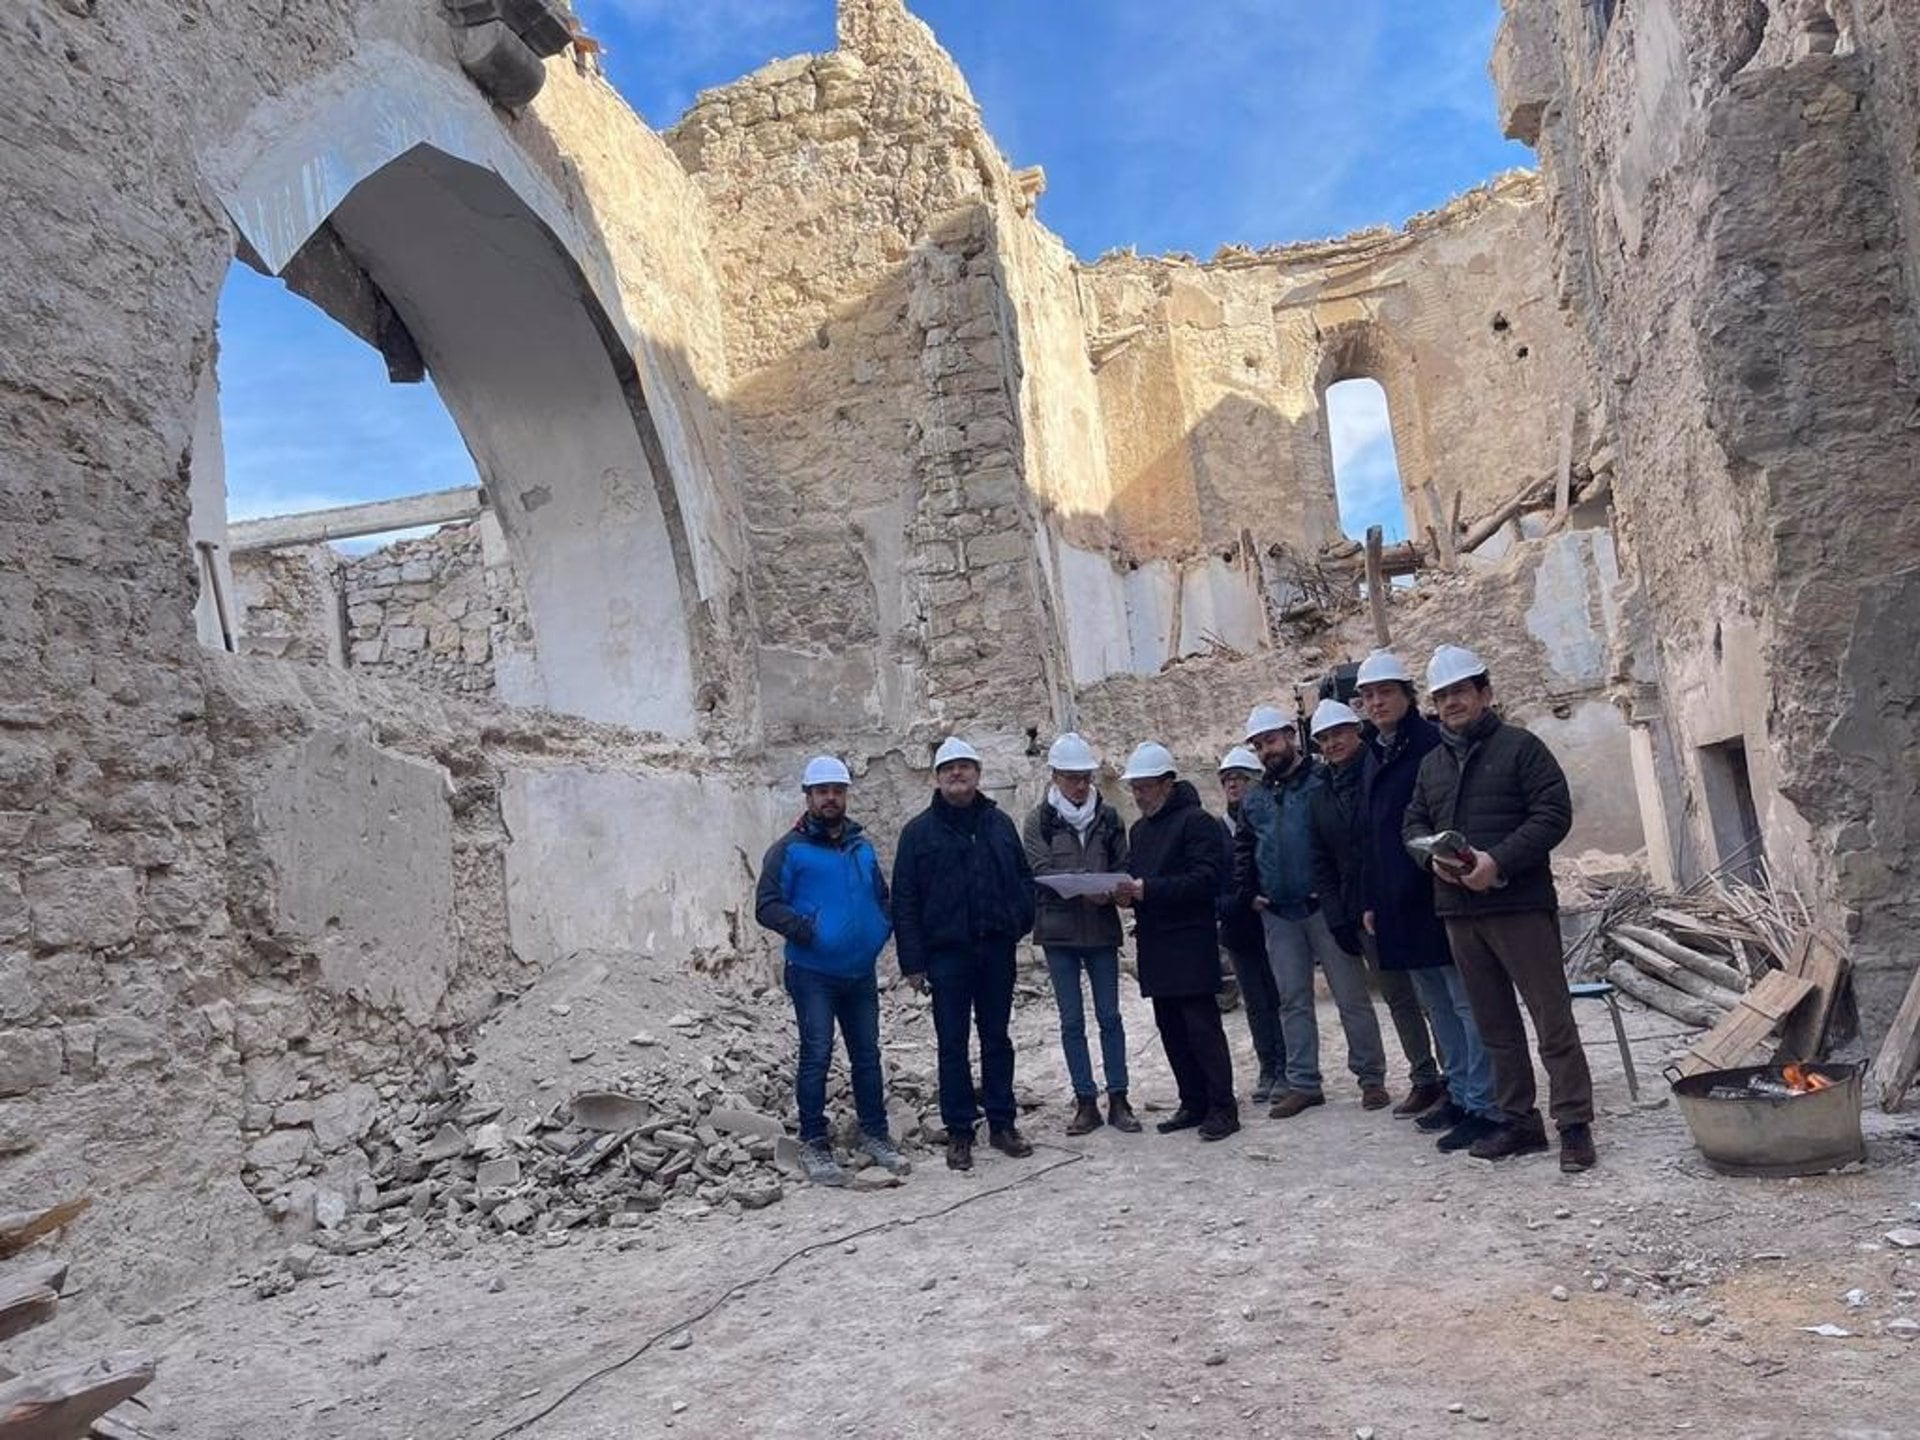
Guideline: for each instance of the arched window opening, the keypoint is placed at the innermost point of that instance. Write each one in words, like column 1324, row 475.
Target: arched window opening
column 1366, row 470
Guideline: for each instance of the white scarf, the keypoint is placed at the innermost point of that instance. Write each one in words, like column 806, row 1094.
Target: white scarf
column 1080, row 817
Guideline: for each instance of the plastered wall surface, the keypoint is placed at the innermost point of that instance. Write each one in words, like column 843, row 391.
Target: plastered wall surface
column 1733, row 194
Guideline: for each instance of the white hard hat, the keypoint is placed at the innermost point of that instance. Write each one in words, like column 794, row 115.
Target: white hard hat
column 1072, row 754
column 954, row 748
column 1329, row 714
column 1382, row 665
column 1149, row 762
column 824, row 770
column 1240, row 758
column 1265, row 718
column 1450, row 665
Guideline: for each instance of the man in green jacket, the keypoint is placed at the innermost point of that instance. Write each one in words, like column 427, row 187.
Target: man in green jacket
column 1501, row 788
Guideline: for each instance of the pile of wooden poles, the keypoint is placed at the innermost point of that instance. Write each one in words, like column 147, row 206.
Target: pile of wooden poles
column 1693, row 954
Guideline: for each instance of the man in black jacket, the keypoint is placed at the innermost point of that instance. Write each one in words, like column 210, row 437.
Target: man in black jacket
column 1338, row 862
column 1501, row 788
column 1244, row 939
column 1178, row 858
column 962, row 898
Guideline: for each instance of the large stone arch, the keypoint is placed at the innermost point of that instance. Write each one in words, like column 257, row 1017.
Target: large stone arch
column 579, row 424
column 1366, row 349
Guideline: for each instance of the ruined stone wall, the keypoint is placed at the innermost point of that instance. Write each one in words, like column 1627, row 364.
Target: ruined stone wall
column 1213, row 376
column 141, row 971
column 1729, row 218
column 288, row 604
column 875, row 403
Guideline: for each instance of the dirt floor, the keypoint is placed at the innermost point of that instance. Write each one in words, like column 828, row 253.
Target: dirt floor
column 1326, row 1276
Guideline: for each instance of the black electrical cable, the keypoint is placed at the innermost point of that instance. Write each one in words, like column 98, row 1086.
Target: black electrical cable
column 1027, row 1177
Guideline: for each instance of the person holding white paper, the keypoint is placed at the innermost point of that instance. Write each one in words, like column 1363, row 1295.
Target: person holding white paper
column 1076, row 838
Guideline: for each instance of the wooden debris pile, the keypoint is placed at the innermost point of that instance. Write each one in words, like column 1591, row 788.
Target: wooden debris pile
column 59, row 1402
column 1735, row 957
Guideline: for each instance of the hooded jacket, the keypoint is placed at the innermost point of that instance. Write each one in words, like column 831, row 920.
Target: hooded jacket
column 1054, row 848
column 960, row 881
column 1181, row 854
column 1500, row 787
column 1274, row 853
column 1407, row 932
column 827, row 896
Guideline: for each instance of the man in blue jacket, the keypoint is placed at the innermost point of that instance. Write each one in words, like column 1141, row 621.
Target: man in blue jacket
column 962, row 898
column 821, row 887
column 1273, row 871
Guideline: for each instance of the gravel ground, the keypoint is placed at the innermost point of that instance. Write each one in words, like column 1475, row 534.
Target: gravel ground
column 1330, row 1275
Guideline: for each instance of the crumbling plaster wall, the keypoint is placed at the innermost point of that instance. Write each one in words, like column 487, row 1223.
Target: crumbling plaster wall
column 1733, row 212
column 161, row 939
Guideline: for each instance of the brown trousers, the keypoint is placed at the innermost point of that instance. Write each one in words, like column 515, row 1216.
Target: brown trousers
column 1499, row 955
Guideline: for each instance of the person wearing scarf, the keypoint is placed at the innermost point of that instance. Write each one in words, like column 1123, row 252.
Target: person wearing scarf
column 1074, row 831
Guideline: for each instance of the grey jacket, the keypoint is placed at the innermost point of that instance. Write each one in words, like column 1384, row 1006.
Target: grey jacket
column 1053, row 848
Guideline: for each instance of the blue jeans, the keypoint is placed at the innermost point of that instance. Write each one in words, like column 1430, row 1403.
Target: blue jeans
column 819, row 1000
column 973, row 989
column 1293, row 946
column 1064, row 964
column 1443, row 994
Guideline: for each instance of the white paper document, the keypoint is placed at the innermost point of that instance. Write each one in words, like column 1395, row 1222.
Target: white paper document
column 1068, row 886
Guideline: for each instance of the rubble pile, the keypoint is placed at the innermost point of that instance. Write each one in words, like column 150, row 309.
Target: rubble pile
column 692, row 1128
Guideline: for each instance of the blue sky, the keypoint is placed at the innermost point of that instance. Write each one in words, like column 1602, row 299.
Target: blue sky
column 1242, row 121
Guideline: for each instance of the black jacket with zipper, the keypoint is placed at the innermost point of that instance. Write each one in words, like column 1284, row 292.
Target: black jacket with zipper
column 960, row 881
column 1181, row 854
column 1507, row 794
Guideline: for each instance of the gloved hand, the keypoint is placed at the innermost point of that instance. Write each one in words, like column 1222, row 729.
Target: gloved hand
column 1347, row 937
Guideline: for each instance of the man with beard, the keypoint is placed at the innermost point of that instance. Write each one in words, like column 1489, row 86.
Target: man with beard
column 1408, row 935
column 1177, row 858
column 1273, row 869
column 821, row 888
column 962, row 898
column 1501, row 788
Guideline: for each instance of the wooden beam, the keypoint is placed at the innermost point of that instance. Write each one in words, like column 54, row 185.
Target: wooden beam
column 1653, row 963
column 1899, row 1059
column 20, row 1228
column 23, row 1306
column 62, row 1402
column 1444, row 536
column 1563, row 465
column 1687, row 1009
column 1824, row 961
column 1705, row 966
column 311, row 527
column 1377, row 587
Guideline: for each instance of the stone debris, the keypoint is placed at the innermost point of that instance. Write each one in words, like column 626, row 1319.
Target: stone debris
column 1904, row 1238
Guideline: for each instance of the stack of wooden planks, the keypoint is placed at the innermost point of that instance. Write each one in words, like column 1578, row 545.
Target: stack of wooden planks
column 1734, row 957
column 61, row 1402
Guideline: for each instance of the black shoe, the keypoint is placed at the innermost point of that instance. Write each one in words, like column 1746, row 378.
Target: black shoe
column 1576, row 1149
column 1120, row 1114
column 1181, row 1119
column 959, row 1151
column 1009, row 1141
column 1443, row 1116
column 1219, row 1124
column 1526, row 1137
column 1086, row 1116
column 1469, row 1129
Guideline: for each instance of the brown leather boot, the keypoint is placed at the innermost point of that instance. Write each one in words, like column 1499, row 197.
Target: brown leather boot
column 1374, row 1097
column 1086, row 1116
column 1120, row 1114
column 1292, row 1102
column 1420, row 1099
